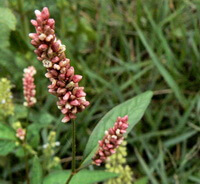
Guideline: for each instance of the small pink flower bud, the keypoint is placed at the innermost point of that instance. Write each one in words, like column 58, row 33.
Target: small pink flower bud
column 34, row 23
column 66, row 119
column 66, row 97
column 45, row 13
column 42, row 37
column 54, row 72
column 75, row 103
column 64, row 111
column 51, row 22
column 63, row 63
column 32, row 35
column 39, row 20
column 61, row 84
column 43, row 47
column 37, row 13
column 80, row 94
column 34, row 43
column 49, row 38
column 56, row 67
column 77, row 78
column 55, row 46
column 55, row 59
column 70, row 71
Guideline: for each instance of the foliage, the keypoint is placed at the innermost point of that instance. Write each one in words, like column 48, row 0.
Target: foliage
column 134, row 108
column 83, row 177
column 122, row 48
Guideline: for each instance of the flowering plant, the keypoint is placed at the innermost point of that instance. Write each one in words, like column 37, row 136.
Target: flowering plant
column 106, row 137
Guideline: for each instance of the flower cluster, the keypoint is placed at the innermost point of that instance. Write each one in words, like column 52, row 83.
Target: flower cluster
column 6, row 104
column 116, row 163
column 49, row 147
column 112, row 139
column 20, row 132
column 29, row 86
column 51, row 161
column 71, row 97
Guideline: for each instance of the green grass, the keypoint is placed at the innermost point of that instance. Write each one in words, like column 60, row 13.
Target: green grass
column 123, row 48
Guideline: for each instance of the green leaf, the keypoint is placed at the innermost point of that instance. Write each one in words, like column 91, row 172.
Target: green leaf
column 7, row 18
column 143, row 180
column 6, row 133
column 4, row 182
column 6, row 147
column 36, row 172
column 33, row 136
column 7, row 23
column 146, row 168
column 20, row 111
column 4, row 36
column 83, row 177
column 7, row 139
column 163, row 71
column 134, row 108
column 45, row 118
column 20, row 152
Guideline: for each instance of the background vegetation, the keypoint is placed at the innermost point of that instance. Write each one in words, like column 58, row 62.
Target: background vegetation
column 122, row 48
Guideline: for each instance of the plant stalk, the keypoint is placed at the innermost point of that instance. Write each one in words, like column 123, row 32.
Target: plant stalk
column 73, row 170
column 73, row 146
column 26, row 166
column 24, row 20
column 25, row 152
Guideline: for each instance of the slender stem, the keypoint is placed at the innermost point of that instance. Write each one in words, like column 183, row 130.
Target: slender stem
column 70, row 177
column 24, row 20
column 73, row 146
column 27, row 167
column 76, row 171
column 73, row 171
column 25, row 152
column 62, row 18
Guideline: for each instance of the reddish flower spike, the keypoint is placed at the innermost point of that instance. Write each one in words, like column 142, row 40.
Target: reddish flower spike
column 49, row 50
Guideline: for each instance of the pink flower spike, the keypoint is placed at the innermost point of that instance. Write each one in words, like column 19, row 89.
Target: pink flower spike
column 29, row 86
column 64, row 82
column 112, row 139
column 21, row 133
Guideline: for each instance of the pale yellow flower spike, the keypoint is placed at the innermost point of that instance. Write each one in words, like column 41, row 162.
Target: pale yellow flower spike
column 117, row 164
column 6, row 104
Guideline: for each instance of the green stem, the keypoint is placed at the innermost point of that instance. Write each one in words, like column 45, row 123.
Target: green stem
column 62, row 18
column 25, row 152
column 24, row 20
column 73, row 146
column 26, row 165
column 73, row 172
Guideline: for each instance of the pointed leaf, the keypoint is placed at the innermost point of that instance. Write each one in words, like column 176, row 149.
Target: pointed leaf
column 36, row 172
column 134, row 108
column 83, row 177
column 6, row 133
column 7, row 18
column 6, row 147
